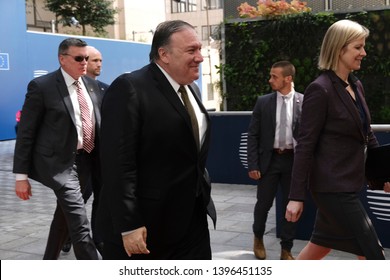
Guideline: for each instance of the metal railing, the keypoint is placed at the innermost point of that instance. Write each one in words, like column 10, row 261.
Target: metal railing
column 380, row 127
column 375, row 127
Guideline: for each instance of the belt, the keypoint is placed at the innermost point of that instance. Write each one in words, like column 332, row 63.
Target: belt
column 285, row 151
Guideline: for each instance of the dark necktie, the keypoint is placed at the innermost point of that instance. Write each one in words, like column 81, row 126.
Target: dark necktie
column 191, row 112
column 88, row 140
column 283, row 124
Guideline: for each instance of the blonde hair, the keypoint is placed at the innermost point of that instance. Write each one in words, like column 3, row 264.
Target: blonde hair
column 339, row 35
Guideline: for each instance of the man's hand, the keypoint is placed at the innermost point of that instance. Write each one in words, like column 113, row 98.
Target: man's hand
column 386, row 187
column 254, row 174
column 23, row 189
column 294, row 210
column 135, row 242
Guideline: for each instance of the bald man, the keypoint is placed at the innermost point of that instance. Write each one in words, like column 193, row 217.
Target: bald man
column 94, row 66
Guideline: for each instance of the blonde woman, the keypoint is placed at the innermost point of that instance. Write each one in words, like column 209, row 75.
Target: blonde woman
column 329, row 158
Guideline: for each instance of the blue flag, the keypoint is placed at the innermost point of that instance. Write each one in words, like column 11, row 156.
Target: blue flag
column 4, row 61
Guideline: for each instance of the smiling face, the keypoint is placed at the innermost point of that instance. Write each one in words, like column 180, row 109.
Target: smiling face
column 182, row 56
column 74, row 68
column 351, row 56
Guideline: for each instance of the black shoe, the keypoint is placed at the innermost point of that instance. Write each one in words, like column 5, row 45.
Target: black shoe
column 67, row 246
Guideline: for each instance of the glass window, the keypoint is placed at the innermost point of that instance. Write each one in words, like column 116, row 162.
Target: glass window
column 211, row 4
column 183, row 6
column 210, row 92
column 212, row 31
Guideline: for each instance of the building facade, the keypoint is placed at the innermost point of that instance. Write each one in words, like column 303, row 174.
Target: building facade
column 342, row 6
column 137, row 21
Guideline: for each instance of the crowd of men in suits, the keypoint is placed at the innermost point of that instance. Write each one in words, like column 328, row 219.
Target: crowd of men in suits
column 143, row 147
column 140, row 146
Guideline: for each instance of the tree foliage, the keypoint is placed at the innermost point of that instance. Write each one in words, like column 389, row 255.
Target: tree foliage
column 96, row 13
column 252, row 46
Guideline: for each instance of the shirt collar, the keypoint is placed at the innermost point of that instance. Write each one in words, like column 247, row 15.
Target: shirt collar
column 68, row 79
column 289, row 95
column 173, row 83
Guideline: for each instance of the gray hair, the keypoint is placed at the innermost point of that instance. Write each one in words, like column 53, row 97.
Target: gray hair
column 70, row 42
column 163, row 35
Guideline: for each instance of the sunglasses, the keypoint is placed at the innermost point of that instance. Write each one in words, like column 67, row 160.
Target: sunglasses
column 78, row 58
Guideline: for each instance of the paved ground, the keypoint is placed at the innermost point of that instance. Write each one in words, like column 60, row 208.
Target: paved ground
column 24, row 225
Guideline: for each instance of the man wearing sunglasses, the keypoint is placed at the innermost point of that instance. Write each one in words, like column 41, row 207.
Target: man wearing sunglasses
column 56, row 145
column 94, row 67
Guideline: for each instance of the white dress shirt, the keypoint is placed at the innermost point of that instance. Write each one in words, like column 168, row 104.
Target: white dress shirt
column 289, row 110
column 76, row 107
column 200, row 116
column 75, row 103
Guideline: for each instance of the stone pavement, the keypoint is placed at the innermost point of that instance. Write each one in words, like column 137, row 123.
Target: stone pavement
column 24, row 225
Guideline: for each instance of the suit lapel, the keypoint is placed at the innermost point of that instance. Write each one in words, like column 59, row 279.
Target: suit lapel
column 63, row 90
column 348, row 103
column 94, row 97
column 272, row 108
column 195, row 92
column 297, row 105
column 167, row 90
column 170, row 94
column 360, row 91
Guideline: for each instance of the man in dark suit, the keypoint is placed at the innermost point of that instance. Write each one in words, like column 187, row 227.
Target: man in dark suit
column 156, row 191
column 56, row 145
column 271, row 140
column 94, row 68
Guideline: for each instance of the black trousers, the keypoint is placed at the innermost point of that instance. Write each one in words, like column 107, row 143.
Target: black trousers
column 194, row 246
column 278, row 174
column 70, row 216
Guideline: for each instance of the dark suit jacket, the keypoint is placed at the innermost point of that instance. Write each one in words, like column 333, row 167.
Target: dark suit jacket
column 47, row 138
column 261, row 132
column 102, row 86
column 152, row 170
column 329, row 156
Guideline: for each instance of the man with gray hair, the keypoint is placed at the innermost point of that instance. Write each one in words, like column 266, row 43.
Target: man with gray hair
column 56, row 145
column 155, row 138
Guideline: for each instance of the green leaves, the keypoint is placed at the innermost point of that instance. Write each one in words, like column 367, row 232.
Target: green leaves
column 251, row 47
column 96, row 13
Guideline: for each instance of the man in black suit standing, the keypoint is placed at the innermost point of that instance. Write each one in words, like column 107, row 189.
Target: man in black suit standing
column 271, row 140
column 155, row 139
column 94, row 68
column 56, row 145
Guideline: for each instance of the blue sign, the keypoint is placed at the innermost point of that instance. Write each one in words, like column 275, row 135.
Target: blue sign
column 4, row 61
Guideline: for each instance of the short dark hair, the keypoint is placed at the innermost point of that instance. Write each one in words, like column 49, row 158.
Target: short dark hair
column 287, row 66
column 70, row 42
column 163, row 33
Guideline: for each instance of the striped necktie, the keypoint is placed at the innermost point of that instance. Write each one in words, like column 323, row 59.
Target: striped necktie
column 88, row 139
